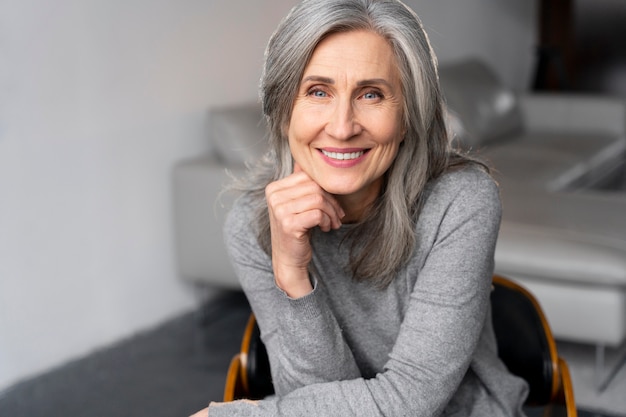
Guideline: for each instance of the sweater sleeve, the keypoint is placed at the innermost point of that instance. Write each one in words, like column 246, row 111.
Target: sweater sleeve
column 304, row 342
column 441, row 328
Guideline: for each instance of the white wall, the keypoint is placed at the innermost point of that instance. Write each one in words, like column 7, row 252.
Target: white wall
column 98, row 99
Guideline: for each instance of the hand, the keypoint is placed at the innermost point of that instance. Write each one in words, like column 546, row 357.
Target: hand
column 297, row 204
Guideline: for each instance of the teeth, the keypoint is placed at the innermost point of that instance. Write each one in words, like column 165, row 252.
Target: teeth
column 343, row 156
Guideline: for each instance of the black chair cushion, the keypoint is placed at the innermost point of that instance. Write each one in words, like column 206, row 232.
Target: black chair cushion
column 522, row 342
column 258, row 368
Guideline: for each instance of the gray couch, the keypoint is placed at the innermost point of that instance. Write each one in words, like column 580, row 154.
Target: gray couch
column 563, row 233
column 561, row 236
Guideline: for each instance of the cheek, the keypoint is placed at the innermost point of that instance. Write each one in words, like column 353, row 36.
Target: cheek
column 302, row 126
column 387, row 125
column 390, row 134
column 297, row 136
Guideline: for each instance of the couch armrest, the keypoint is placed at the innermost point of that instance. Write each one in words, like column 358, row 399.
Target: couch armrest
column 199, row 213
column 573, row 113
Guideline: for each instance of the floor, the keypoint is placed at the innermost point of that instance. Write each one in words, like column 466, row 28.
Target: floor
column 171, row 371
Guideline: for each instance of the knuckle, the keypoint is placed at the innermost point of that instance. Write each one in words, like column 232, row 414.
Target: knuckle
column 270, row 192
column 280, row 212
column 317, row 199
column 319, row 216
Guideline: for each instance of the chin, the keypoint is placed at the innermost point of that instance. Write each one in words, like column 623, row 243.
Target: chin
column 339, row 189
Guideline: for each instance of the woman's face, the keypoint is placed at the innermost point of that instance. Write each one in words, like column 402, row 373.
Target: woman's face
column 346, row 123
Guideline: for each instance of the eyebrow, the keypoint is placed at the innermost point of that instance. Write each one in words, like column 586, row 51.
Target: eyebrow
column 318, row 78
column 327, row 80
column 374, row 81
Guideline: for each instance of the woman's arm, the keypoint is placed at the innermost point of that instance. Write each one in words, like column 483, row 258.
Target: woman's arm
column 304, row 342
column 441, row 328
column 296, row 205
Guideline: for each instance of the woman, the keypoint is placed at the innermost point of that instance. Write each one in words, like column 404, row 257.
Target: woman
column 364, row 243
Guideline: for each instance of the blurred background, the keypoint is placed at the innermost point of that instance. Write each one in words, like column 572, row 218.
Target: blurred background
column 99, row 99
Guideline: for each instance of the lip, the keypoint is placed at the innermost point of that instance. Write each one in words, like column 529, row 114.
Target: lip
column 344, row 150
column 343, row 163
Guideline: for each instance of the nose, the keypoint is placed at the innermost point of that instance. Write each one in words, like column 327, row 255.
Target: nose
column 342, row 124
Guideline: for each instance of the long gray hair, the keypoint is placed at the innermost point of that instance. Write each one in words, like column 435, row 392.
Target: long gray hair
column 384, row 240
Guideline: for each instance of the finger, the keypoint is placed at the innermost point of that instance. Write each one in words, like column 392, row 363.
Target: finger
column 300, row 224
column 314, row 214
column 297, row 169
column 300, row 185
column 292, row 181
column 285, row 203
column 326, row 223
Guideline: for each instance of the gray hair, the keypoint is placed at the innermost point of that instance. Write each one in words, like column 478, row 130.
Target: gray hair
column 385, row 239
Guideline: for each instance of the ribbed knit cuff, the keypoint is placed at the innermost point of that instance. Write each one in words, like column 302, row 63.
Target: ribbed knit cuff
column 305, row 307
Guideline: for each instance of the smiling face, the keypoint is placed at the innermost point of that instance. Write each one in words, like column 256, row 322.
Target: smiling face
column 346, row 123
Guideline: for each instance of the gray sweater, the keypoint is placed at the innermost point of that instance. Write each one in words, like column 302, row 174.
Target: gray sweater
column 424, row 346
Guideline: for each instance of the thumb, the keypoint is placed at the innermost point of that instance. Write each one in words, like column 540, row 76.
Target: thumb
column 296, row 167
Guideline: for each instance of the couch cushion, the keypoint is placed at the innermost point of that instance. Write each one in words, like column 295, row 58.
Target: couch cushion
column 488, row 109
column 576, row 237
column 543, row 169
column 556, row 161
column 239, row 134
column 580, row 312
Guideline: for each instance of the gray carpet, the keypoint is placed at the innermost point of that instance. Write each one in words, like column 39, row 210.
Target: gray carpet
column 171, row 371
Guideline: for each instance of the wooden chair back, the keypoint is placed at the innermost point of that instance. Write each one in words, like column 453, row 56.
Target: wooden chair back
column 525, row 345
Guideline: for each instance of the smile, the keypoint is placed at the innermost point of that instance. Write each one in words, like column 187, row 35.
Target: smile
column 341, row 156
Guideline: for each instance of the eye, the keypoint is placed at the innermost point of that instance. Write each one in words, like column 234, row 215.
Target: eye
column 373, row 95
column 317, row 92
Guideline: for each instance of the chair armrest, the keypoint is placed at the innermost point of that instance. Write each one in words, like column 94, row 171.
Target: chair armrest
column 573, row 113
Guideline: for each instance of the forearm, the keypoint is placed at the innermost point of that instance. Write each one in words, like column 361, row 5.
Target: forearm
column 389, row 394
column 346, row 399
column 304, row 341
column 308, row 346
column 294, row 282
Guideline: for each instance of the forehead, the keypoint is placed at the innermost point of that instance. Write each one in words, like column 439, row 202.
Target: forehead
column 362, row 53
